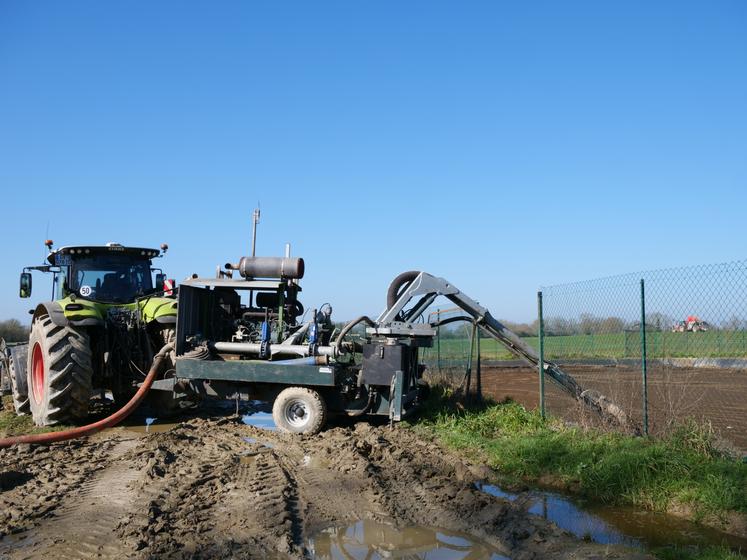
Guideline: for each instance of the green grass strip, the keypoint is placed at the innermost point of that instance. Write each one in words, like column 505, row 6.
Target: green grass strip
column 684, row 468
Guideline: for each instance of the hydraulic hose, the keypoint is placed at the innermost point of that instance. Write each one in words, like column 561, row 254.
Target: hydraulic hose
column 347, row 328
column 452, row 320
column 362, row 411
column 392, row 293
column 107, row 422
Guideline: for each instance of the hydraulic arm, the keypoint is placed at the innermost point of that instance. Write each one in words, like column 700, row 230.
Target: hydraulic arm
column 426, row 288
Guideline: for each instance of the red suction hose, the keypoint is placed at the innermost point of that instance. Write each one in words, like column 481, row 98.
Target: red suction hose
column 107, row 422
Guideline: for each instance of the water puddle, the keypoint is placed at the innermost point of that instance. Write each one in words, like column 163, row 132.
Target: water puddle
column 259, row 419
column 311, row 462
column 369, row 540
column 615, row 524
column 150, row 426
column 247, row 459
column 252, row 440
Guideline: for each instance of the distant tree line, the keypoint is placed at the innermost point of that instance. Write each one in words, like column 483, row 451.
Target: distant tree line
column 586, row 323
column 12, row 330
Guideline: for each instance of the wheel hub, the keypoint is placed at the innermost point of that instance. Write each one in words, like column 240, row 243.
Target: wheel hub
column 37, row 373
column 297, row 413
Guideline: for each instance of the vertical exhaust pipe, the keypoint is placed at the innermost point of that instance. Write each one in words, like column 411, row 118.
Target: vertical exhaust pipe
column 255, row 221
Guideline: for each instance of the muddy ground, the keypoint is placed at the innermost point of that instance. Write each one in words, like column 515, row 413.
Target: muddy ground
column 216, row 488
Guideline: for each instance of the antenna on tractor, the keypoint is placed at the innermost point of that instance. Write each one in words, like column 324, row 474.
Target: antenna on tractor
column 255, row 221
column 48, row 242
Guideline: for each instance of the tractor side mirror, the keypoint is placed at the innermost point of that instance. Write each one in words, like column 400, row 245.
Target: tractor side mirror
column 160, row 279
column 25, row 290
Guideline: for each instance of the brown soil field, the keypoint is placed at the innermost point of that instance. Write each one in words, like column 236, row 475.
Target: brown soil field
column 212, row 487
column 706, row 394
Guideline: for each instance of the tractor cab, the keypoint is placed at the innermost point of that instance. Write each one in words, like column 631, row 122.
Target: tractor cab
column 106, row 319
column 108, row 273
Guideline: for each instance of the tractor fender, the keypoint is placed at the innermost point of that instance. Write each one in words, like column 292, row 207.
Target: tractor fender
column 160, row 310
column 57, row 314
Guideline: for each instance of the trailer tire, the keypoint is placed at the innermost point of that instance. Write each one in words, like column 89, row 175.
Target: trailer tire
column 19, row 389
column 299, row 410
column 59, row 372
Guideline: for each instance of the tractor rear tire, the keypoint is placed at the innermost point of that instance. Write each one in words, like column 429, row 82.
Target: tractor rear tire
column 60, row 373
column 299, row 410
column 19, row 389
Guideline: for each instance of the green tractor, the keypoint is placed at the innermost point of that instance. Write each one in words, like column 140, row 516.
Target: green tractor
column 107, row 318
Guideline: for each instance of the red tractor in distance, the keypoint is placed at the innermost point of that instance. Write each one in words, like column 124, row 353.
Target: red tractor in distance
column 691, row 324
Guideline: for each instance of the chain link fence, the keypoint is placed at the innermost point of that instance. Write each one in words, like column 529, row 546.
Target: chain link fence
column 665, row 345
column 479, row 365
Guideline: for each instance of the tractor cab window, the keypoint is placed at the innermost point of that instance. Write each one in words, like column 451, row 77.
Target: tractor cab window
column 115, row 279
column 59, row 283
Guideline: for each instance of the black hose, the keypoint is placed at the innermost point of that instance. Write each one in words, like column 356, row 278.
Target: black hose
column 347, row 328
column 452, row 320
column 369, row 404
column 393, row 294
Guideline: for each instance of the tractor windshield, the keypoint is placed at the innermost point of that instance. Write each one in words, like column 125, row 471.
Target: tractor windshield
column 110, row 278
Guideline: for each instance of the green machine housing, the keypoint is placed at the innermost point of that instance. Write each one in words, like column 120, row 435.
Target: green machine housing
column 244, row 338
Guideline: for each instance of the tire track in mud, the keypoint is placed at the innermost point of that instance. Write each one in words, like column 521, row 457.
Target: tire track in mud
column 277, row 502
column 84, row 526
column 216, row 488
column 36, row 480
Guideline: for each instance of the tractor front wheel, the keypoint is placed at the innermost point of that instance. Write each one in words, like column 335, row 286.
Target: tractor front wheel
column 299, row 410
column 59, row 373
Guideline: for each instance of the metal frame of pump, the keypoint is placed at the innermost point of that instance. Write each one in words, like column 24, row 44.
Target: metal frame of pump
column 388, row 372
column 383, row 381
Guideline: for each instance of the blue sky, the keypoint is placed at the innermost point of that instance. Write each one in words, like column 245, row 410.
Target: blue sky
column 500, row 145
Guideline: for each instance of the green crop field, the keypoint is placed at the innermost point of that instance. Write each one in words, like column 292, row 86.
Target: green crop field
column 709, row 344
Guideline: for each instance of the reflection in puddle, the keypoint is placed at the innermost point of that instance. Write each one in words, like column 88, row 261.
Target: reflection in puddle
column 261, row 420
column 314, row 462
column 608, row 524
column 151, row 427
column 370, row 540
column 246, row 459
column 255, row 440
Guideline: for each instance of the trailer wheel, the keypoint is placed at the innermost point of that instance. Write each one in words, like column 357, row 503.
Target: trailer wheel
column 18, row 388
column 299, row 410
column 59, row 373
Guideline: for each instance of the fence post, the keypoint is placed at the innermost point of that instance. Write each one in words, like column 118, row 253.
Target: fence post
column 438, row 341
column 643, row 357
column 469, row 361
column 478, row 379
column 541, row 337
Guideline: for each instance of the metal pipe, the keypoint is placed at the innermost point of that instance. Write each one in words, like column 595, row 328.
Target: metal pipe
column 275, row 349
column 541, row 363
column 296, row 336
column 255, row 221
column 644, row 369
column 309, row 361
